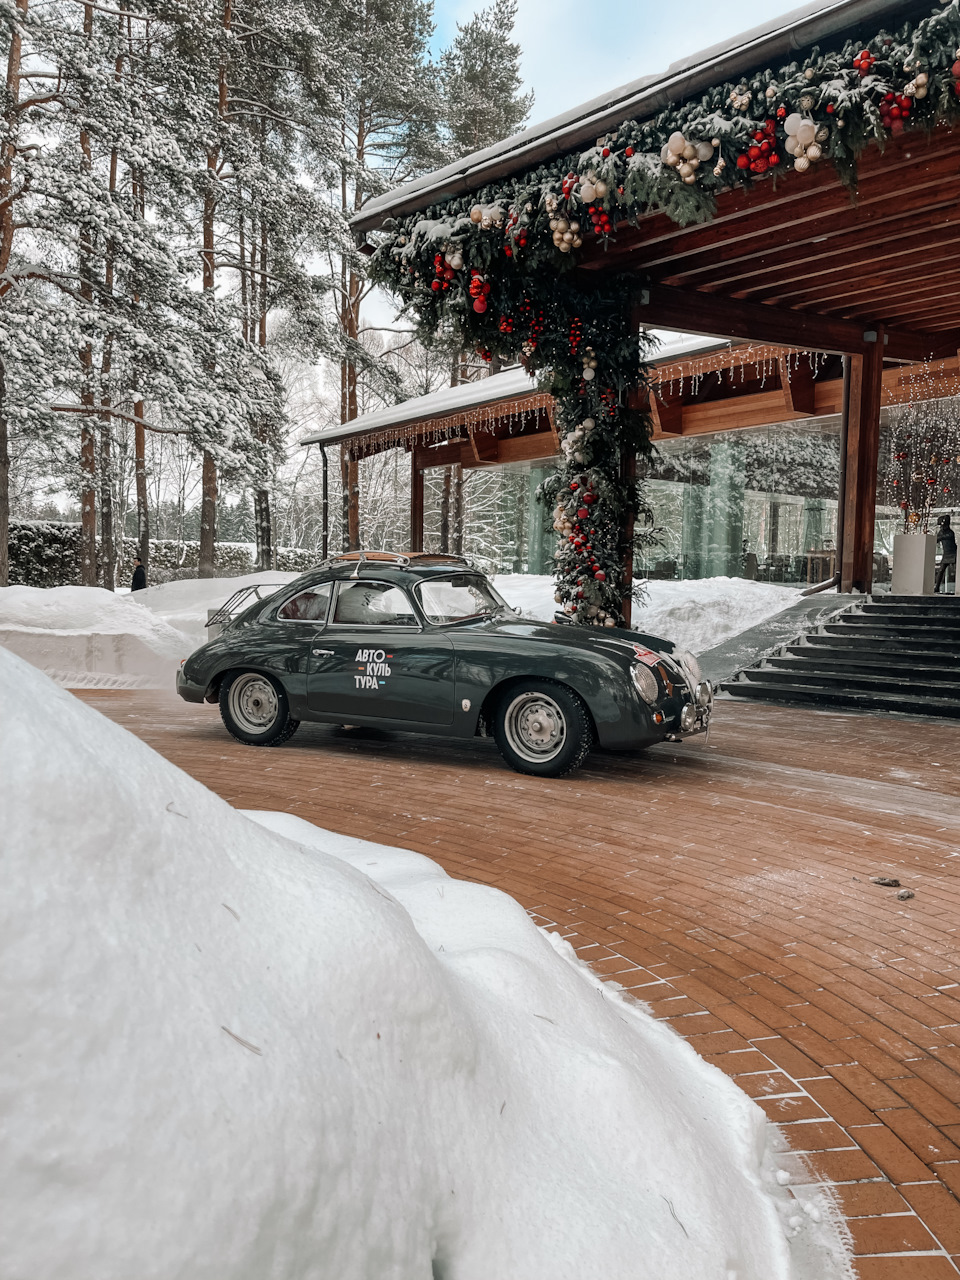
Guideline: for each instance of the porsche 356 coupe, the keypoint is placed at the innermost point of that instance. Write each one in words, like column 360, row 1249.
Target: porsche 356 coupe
column 425, row 644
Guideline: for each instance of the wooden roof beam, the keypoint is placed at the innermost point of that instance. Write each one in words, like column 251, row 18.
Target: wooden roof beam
column 661, row 307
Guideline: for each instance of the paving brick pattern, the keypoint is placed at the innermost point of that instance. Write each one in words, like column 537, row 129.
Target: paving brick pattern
column 728, row 886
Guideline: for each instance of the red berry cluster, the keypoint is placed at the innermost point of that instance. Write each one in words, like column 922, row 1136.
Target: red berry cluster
column 533, row 320
column 579, row 539
column 602, row 225
column 485, row 354
column 479, row 288
column 576, row 335
column 569, row 183
column 762, row 153
column 506, row 324
column 443, row 273
column 894, row 110
column 864, row 61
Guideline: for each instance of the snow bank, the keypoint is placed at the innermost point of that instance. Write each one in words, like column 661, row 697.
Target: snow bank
column 230, row 1055
column 86, row 637
column 695, row 614
column 184, row 604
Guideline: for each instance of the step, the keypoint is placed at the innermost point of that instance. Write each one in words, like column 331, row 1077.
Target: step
column 857, row 644
column 801, row 657
column 940, row 601
column 919, row 610
column 944, row 708
column 869, row 629
column 949, row 688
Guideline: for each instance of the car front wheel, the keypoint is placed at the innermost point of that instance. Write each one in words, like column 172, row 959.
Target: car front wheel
column 255, row 709
column 542, row 728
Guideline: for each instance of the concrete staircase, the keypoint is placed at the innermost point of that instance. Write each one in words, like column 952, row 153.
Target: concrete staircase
column 893, row 653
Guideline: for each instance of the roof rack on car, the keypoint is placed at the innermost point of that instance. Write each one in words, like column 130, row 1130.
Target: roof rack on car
column 240, row 600
column 401, row 558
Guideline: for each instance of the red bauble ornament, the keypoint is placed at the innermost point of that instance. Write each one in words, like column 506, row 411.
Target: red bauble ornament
column 629, row 152
column 781, row 113
column 582, row 513
column 773, row 159
column 830, row 108
column 508, row 251
column 742, row 161
column 480, row 305
column 589, row 497
column 574, row 484
column 754, row 153
column 600, row 576
column 605, row 152
column 435, row 285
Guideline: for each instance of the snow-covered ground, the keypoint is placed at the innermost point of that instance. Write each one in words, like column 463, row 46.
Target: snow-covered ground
column 85, row 637
column 255, row 1050
column 696, row 614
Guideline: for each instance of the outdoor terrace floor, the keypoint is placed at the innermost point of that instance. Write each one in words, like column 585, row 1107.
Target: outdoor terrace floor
column 726, row 885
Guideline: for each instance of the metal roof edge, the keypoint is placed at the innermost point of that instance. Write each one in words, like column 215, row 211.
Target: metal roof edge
column 582, row 125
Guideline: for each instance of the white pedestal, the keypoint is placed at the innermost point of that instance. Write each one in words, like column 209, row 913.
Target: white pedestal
column 914, row 559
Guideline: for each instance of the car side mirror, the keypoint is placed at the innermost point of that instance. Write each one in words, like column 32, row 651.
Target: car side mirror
column 516, row 609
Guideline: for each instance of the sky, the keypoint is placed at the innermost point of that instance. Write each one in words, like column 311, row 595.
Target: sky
column 572, row 51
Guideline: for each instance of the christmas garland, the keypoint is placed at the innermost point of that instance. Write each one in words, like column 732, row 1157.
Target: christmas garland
column 496, row 268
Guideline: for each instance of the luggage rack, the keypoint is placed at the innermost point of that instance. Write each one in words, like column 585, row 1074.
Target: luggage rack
column 401, row 558
column 239, row 601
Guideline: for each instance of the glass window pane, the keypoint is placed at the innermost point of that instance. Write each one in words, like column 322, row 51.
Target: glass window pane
column 373, row 604
column 308, row 606
column 458, row 597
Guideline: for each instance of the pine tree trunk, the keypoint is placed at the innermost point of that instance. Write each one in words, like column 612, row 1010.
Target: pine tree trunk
column 445, row 514
column 140, row 473
column 88, row 442
column 457, row 509
column 4, row 485
column 208, row 518
column 8, row 154
column 108, row 552
column 261, row 502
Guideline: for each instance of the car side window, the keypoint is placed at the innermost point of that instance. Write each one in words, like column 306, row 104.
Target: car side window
column 308, row 606
column 373, row 604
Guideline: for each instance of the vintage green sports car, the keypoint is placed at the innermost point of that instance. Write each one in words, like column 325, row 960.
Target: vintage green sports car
column 425, row 644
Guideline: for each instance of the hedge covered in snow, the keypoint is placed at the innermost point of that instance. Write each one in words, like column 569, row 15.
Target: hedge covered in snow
column 46, row 553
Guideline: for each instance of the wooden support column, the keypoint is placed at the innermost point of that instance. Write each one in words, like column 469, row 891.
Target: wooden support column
column 416, row 503
column 860, row 481
column 628, row 473
column 799, row 389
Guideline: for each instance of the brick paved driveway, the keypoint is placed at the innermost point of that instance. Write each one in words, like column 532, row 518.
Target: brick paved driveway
column 727, row 885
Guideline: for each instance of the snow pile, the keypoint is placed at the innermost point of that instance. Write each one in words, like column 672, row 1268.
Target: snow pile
column 696, row 614
column 86, row 637
column 229, row 1055
column 184, row 604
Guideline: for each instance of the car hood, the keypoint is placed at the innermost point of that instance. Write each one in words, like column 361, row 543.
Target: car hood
column 612, row 640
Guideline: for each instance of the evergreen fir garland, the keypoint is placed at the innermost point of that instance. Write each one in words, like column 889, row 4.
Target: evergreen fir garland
column 497, row 268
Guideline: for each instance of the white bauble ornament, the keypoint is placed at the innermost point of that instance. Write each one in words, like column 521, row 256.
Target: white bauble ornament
column 577, row 242
column 588, row 375
column 594, row 364
column 456, row 261
column 806, row 102
column 563, row 224
column 806, row 133
column 801, row 164
column 823, row 133
column 558, row 597
column 686, row 169
column 814, row 151
column 601, row 189
column 690, row 179
column 609, row 622
column 563, row 247
column 772, row 92
column 588, row 424
column 665, row 154
column 588, row 192
column 568, row 237
column 689, row 151
column 714, row 142
column 673, row 160
column 676, row 142
column 790, row 144
column 558, row 237
column 809, row 73
column 574, row 226
column 793, row 122
column 921, row 78
column 476, row 214
column 704, row 151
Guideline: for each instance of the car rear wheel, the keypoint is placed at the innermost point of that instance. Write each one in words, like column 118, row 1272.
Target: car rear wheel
column 255, row 709
column 542, row 728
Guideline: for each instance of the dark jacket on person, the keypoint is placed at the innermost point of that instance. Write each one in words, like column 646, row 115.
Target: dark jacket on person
column 139, row 578
column 948, row 539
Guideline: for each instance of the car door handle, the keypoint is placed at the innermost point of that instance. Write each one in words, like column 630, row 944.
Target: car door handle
column 323, row 653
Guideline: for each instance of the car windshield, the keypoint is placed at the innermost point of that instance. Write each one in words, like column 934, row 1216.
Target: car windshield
column 458, row 597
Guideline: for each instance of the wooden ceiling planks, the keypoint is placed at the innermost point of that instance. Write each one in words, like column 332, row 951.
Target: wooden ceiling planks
column 889, row 254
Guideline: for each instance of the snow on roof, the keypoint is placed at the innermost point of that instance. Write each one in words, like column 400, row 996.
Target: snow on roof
column 778, row 38
column 509, row 385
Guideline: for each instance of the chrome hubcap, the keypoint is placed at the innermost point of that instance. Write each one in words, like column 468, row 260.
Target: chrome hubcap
column 253, row 703
column 535, row 727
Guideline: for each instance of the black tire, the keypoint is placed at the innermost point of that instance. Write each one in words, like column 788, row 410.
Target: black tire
column 255, row 709
column 542, row 728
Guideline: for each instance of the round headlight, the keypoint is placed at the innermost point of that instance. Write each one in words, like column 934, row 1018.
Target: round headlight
column 688, row 661
column 688, row 717
column 645, row 682
column 704, row 694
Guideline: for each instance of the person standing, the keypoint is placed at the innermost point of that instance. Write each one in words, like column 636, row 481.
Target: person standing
column 140, row 575
column 947, row 539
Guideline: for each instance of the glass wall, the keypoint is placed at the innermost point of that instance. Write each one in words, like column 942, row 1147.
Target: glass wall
column 759, row 503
